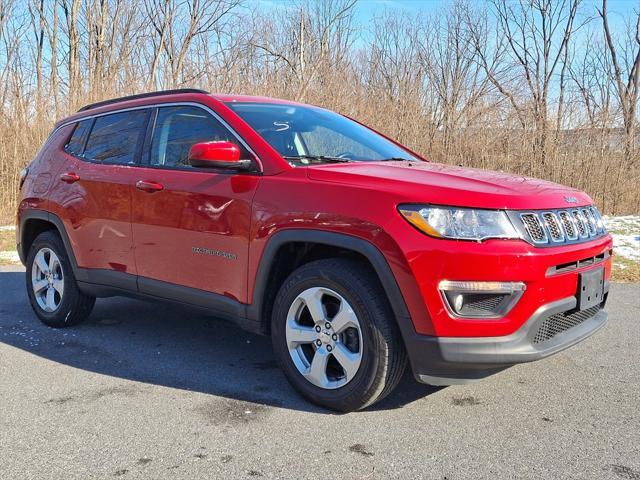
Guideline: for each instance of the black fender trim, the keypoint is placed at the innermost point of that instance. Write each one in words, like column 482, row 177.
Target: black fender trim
column 340, row 240
column 35, row 214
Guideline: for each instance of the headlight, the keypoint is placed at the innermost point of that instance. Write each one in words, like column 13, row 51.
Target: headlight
column 459, row 223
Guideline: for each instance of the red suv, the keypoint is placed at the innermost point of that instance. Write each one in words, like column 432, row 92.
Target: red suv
column 354, row 253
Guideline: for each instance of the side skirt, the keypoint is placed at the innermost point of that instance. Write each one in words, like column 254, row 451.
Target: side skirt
column 107, row 283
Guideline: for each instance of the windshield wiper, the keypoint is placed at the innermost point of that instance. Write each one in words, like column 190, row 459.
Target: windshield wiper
column 322, row 158
column 397, row 159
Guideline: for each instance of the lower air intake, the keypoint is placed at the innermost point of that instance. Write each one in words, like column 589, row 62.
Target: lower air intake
column 561, row 322
column 481, row 304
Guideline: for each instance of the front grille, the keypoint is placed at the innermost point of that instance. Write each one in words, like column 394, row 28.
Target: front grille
column 556, row 227
column 561, row 322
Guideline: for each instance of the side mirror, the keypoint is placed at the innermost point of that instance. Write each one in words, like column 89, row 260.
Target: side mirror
column 217, row 155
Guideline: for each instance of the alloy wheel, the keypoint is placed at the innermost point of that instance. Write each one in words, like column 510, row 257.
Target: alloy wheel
column 47, row 280
column 324, row 337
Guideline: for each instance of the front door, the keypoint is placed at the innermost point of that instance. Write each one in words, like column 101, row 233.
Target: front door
column 190, row 225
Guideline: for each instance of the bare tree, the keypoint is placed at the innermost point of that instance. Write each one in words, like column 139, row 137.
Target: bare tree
column 71, row 11
column 534, row 36
column 173, row 39
column 505, row 85
column 626, row 74
column 309, row 40
column 36, row 12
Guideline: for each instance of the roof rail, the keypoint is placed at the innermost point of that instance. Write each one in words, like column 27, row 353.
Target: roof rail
column 142, row 95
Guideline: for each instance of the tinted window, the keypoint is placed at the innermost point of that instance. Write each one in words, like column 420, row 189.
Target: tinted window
column 75, row 145
column 178, row 128
column 114, row 138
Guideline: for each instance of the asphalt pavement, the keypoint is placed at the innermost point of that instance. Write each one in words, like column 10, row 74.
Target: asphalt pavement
column 146, row 390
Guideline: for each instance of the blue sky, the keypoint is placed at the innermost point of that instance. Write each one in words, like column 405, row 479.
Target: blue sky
column 619, row 10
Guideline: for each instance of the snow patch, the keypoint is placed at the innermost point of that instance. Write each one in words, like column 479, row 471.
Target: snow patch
column 626, row 235
column 11, row 257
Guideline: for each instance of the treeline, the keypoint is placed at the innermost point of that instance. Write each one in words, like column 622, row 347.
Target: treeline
column 547, row 88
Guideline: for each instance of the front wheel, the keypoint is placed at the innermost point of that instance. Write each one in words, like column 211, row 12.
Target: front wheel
column 51, row 285
column 335, row 336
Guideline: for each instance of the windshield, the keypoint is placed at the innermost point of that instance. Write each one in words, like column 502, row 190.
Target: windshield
column 306, row 135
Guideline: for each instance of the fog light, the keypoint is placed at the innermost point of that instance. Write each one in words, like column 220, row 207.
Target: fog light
column 480, row 299
column 457, row 304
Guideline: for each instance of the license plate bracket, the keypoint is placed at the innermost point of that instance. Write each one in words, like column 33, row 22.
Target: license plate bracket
column 590, row 288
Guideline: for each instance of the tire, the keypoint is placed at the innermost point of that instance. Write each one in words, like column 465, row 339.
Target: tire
column 51, row 286
column 341, row 382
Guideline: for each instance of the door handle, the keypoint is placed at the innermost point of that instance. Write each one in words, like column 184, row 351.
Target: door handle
column 149, row 187
column 69, row 177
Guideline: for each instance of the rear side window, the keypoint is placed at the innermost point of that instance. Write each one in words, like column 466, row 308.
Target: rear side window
column 178, row 128
column 116, row 138
column 75, row 145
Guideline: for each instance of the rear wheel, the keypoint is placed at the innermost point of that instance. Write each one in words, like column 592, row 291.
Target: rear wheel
column 51, row 285
column 335, row 337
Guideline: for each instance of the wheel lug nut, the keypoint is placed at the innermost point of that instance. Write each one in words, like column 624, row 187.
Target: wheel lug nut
column 327, row 325
column 319, row 343
column 318, row 328
column 329, row 348
column 334, row 337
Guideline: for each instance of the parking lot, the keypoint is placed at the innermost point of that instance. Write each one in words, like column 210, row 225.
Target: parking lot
column 150, row 390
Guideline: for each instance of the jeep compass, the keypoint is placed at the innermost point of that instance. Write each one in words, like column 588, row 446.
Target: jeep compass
column 355, row 254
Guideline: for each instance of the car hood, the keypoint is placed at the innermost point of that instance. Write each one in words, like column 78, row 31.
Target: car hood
column 437, row 183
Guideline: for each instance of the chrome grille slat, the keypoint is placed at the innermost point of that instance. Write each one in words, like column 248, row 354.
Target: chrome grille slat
column 598, row 218
column 591, row 223
column 580, row 222
column 568, row 224
column 533, row 225
column 553, row 226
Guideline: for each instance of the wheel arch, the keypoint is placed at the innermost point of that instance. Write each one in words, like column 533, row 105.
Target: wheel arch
column 33, row 223
column 271, row 273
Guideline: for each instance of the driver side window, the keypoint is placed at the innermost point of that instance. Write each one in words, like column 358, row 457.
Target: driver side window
column 178, row 128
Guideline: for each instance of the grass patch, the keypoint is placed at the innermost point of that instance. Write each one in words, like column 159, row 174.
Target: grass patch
column 7, row 240
column 8, row 255
column 625, row 270
column 7, row 217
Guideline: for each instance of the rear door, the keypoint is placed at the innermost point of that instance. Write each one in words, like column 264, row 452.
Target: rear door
column 190, row 225
column 98, row 175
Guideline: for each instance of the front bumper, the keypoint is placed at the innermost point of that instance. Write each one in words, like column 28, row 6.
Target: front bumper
column 541, row 270
column 455, row 360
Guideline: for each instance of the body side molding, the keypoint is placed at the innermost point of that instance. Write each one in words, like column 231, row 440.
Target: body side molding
column 107, row 283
